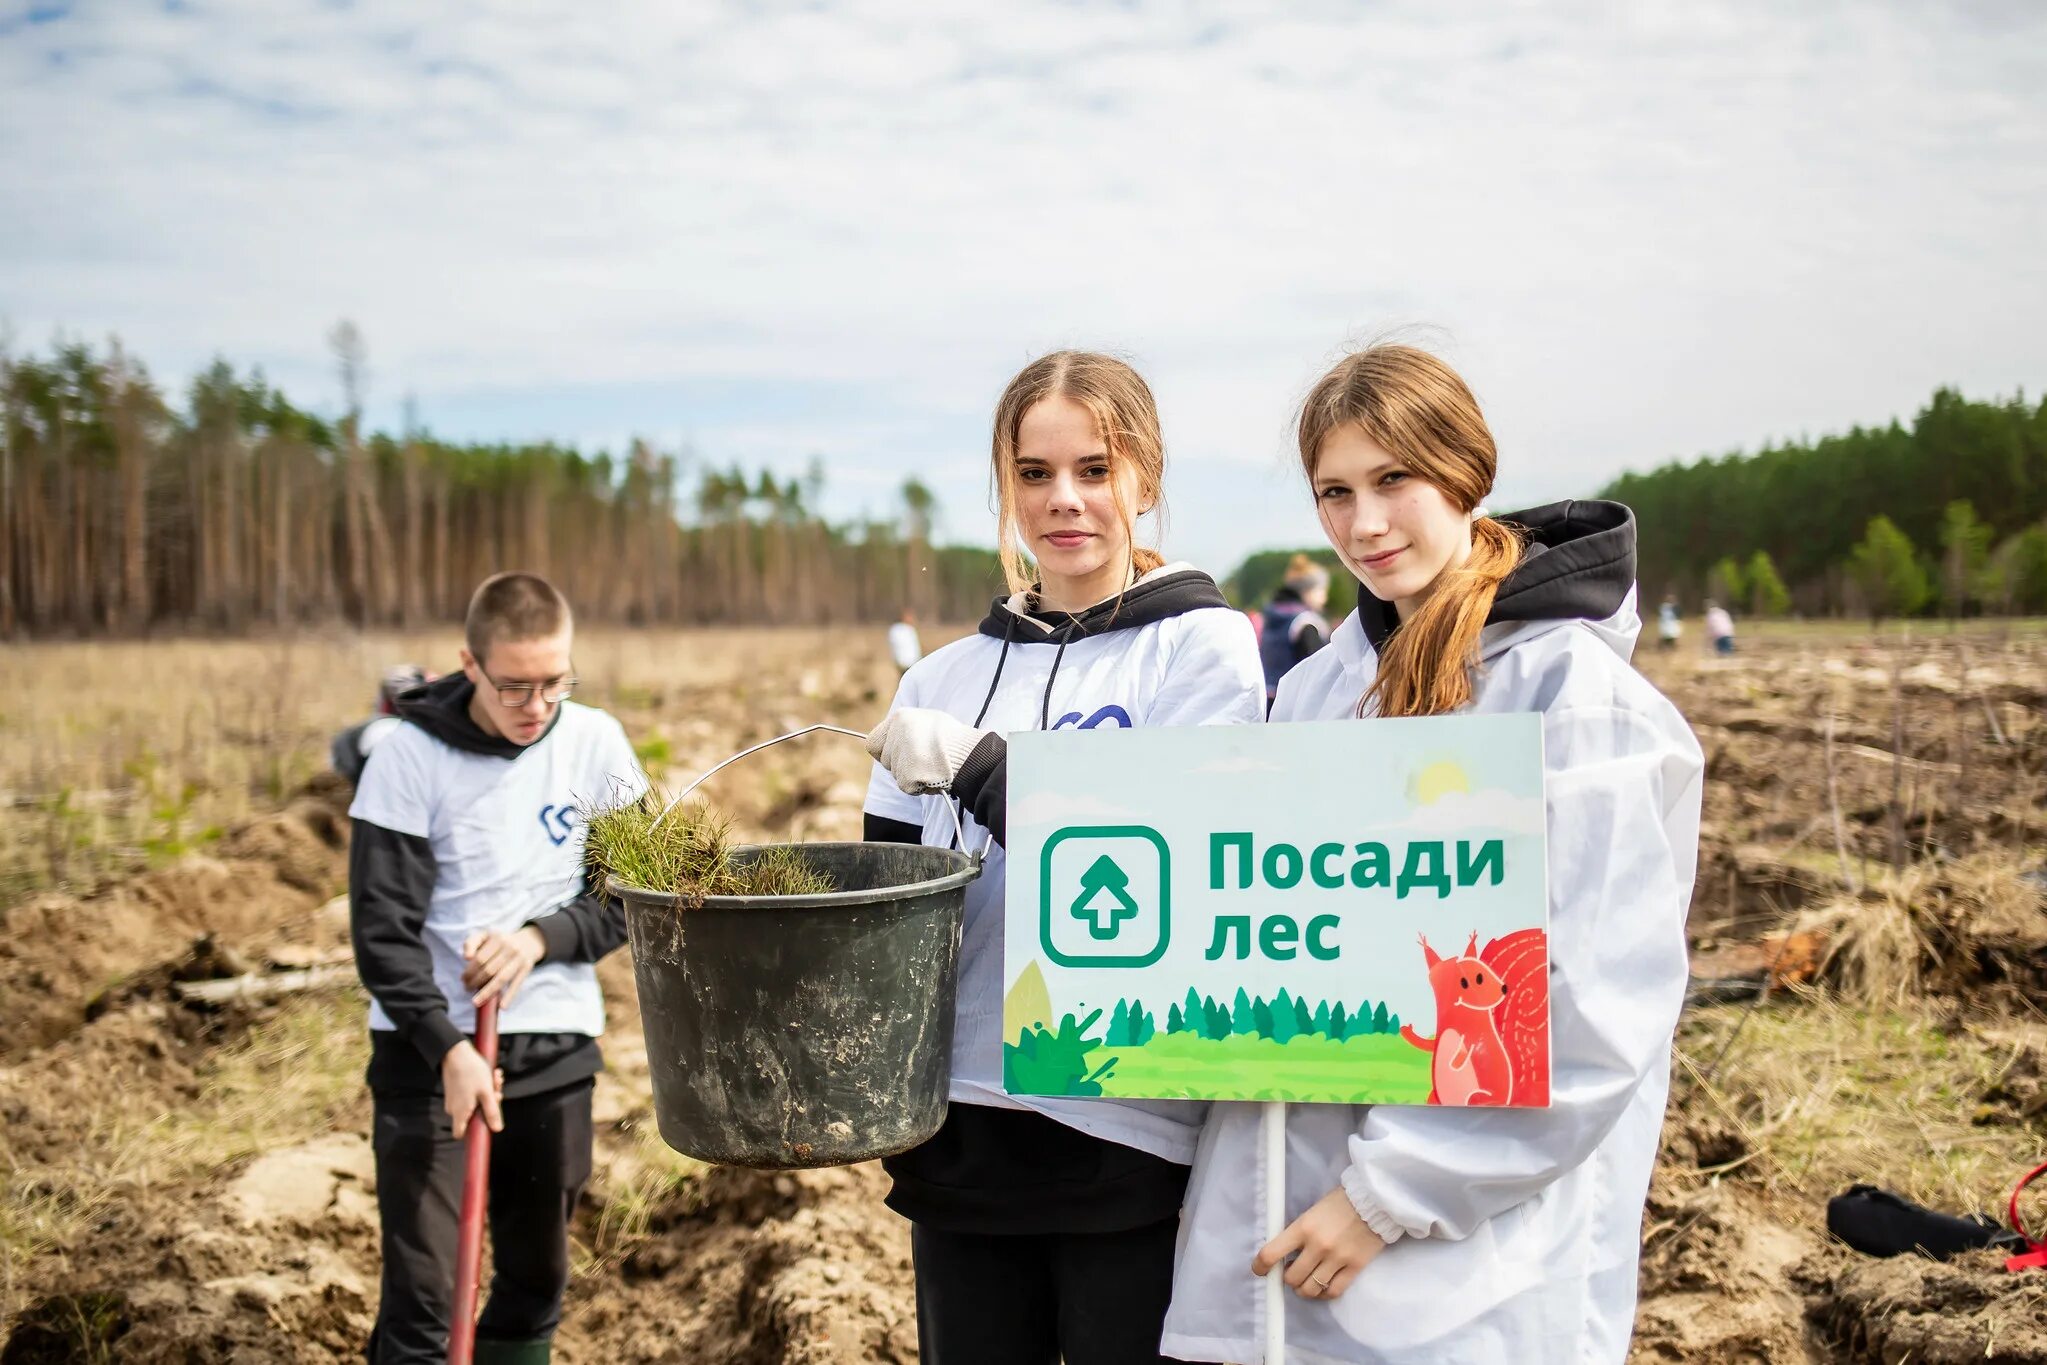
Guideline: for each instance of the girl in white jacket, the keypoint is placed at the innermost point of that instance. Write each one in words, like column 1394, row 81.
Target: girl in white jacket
column 1044, row 1229
column 1474, row 1235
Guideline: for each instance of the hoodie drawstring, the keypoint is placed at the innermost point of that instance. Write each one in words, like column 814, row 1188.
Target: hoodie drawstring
column 1008, row 626
column 1045, row 702
column 1045, row 705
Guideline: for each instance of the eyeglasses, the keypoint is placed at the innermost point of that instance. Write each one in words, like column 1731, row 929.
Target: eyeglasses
column 519, row 694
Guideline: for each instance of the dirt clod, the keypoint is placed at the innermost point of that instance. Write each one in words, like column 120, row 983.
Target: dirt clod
column 67, row 1328
column 1909, row 1309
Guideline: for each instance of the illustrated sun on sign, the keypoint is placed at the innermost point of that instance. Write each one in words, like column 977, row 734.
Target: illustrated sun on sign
column 1437, row 780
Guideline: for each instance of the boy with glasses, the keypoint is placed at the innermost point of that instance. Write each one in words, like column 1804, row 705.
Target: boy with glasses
column 466, row 882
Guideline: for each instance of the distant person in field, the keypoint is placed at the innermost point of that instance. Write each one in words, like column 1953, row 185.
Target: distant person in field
column 1669, row 624
column 903, row 645
column 351, row 748
column 1292, row 626
column 1422, row 1234
column 466, row 882
column 1719, row 627
column 1043, row 1229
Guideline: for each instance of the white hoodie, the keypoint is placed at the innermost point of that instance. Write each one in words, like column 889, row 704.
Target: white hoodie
column 1514, row 1233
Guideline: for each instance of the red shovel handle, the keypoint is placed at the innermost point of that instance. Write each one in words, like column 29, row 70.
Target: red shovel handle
column 475, row 1194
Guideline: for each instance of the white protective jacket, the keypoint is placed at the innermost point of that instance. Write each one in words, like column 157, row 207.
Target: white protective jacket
column 1514, row 1233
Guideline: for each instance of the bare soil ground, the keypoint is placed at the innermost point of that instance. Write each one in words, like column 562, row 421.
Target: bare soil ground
column 1900, row 1042
column 192, row 1182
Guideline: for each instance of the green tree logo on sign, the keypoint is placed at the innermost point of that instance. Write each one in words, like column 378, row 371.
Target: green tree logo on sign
column 1104, row 901
column 1104, row 896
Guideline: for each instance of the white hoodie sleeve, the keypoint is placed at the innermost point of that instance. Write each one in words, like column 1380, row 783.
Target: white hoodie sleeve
column 1214, row 676
column 1618, row 785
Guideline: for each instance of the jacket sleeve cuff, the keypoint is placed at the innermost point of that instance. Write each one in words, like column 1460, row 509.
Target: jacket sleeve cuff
column 980, row 764
column 558, row 931
column 982, row 785
column 879, row 829
column 435, row 1035
column 1368, row 1208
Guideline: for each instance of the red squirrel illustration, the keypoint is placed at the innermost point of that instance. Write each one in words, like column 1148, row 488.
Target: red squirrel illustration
column 1492, row 1022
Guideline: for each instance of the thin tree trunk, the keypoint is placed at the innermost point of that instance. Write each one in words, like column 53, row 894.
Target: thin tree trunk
column 131, row 456
column 412, row 587
column 9, row 428
column 443, row 593
column 280, row 587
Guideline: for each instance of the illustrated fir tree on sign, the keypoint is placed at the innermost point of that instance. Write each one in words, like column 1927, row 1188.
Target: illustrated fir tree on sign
column 1104, row 900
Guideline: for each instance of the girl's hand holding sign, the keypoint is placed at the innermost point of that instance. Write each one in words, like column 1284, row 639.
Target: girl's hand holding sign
column 1329, row 1244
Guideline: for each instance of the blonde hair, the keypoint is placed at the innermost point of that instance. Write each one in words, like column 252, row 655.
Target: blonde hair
column 1120, row 402
column 1418, row 410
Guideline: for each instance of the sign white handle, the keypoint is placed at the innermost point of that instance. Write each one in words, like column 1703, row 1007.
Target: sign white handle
column 1274, row 1135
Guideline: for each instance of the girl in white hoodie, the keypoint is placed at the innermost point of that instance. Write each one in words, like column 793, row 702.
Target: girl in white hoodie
column 1474, row 1235
column 1043, row 1229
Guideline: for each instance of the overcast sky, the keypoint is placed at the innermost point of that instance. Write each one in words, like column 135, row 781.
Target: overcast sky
column 769, row 232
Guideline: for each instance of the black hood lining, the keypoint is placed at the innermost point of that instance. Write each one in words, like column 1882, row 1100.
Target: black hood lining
column 441, row 708
column 1142, row 604
column 1578, row 564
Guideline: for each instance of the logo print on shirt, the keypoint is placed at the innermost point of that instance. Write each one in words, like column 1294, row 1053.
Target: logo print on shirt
column 1107, row 713
column 559, row 822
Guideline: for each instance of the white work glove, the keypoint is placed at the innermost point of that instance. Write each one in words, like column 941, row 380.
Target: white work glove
column 922, row 749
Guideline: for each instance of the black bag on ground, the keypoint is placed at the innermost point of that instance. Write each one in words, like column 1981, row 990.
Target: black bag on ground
column 1878, row 1223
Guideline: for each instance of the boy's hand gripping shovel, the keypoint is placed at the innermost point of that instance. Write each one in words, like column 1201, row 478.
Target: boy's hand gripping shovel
column 475, row 1194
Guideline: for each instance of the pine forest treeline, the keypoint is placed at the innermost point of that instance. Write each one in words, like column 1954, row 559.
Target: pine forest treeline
column 228, row 508
column 232, row 509
column 1946, row 515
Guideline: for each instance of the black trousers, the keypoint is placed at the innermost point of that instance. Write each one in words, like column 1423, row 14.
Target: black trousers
column 538, row 1166
column 1085, row 1298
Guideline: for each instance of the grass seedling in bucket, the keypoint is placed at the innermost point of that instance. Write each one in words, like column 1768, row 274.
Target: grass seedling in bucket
column 691, row 855
column 797, row 999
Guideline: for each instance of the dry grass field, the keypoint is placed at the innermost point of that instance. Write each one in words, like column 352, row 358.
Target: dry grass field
column 189, row 1181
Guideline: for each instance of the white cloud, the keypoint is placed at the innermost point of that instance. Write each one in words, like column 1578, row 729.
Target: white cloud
column 1491, row 811
column 1050, row 808
column 1679, row 230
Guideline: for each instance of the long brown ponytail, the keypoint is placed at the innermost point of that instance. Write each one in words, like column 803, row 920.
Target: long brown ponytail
column 1418, row 410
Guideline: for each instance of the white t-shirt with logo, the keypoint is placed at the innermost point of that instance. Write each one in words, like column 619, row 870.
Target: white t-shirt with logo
column 507, row 837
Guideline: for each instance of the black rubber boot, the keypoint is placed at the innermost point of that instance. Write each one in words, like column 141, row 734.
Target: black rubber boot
column 490, row 1351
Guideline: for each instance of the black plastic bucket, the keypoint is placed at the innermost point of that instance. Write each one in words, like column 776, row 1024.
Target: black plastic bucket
column 796, row 1031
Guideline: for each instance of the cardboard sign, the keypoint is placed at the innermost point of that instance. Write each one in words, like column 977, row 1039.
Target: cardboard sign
column 1351, row 912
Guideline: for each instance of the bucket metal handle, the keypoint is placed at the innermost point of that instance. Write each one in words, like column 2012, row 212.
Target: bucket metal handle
column 959, row 828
